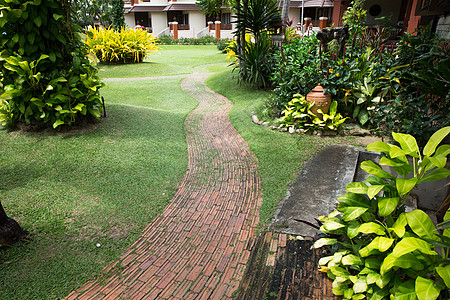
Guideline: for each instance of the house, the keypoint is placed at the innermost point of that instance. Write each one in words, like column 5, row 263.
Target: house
column 404, row 15
column 156, row 16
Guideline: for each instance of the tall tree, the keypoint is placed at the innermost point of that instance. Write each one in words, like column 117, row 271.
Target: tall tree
column 117, row 14
column 88, row 12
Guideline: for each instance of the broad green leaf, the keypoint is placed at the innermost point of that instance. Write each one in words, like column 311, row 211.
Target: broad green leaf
column 384, row 280
column 399, row 226
column 352, row 199
column 404, row 186
column 425, row 289
column 57, row 17
column 372, row 263
column 436, row 175
column 324, row 241
column 360, row 286
column 372, row 227
column 374, row 169
column 375, row 180
column 351, row 213
column 372, row 277
column 374, row 190
column 390, row 162
column 357, row 188
column 387, row 264
column 405, row 291
column 379, row 294
column 407, row 261
column 379, row 147
column 443, row 150
column 438, row 161
column 339, row 272
column 352, row 229
column 396, row 152
column 434, row 140
column 408, row 143
column 331, row 225
column 444, row 273
column 57, row 123
column 387, row 205
column 351, row 259
column 324, row 260
column 410, row 244
column 421, row 224
column 379, row 244
column 38, row 21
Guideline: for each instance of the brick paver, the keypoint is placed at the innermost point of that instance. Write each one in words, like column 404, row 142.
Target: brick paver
column 198, row 247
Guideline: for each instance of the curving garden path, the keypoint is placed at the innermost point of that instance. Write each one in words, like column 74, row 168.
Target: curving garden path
column 199, row 246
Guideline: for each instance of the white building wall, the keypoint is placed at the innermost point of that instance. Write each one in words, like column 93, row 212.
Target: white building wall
column 129, row 20
column 443, row 27
column 159, row 21
column 197, row 21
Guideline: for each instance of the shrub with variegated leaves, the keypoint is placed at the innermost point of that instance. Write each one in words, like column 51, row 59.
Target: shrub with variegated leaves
column 121, row 46
column 378, row 250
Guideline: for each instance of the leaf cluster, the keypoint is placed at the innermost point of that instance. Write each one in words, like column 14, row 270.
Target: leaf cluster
column 383, row 250
column 46, row 75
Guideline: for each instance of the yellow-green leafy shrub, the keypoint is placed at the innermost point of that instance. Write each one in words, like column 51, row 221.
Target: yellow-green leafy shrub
column 124, row 46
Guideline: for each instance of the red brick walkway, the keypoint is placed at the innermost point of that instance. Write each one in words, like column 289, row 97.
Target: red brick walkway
column 199, row 246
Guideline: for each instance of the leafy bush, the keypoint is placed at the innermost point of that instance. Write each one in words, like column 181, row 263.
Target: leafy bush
column 124, row 46
column 296, row 72
column 205, row 40
column 298, row 115
column 378, row 249
column 222, row 45
column 45, row 74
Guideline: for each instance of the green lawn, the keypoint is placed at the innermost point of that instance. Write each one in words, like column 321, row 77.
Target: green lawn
column 104, row 184
column 100, row 185
column 280, row 155
column 170, row 60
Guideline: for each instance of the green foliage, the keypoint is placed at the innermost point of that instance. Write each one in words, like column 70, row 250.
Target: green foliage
column 222, row 45
column 298, row 115
column 257, row 16
column 46, row 75
column 382, row 250
column 355, row 15
column 117, row 14
column 296, row 72
column 87, row 12
column 213, row 7
column 256, row 62
column 124, row 46
column 204, row 40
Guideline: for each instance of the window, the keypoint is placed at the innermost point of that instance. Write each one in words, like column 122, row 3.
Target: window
column 226, row 18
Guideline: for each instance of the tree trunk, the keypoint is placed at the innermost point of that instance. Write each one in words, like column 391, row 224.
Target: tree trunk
column 10, row 230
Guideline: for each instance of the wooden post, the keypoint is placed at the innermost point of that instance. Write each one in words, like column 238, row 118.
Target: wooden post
column 175, row 30
column 210, row 26
column 307, row 22
column 217, row 24
column 323, row 22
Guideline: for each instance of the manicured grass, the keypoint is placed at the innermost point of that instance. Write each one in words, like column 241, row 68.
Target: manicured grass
column 170, row 60
column 280, row 155
column 103, row 185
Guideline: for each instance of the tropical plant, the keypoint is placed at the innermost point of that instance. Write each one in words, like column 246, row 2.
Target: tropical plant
column 331, row 120
column 256, row 62
column 355, row 15
column 124, row 46
column 213, row 7
column 117, row 14
column 298, row 114
column 378, row 249
column 86, row 12
column 256, row 17
column 46, row 75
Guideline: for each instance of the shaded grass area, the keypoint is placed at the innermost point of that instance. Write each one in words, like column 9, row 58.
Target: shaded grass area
column 170, row 60
column 101, row 185
column 280, row 155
